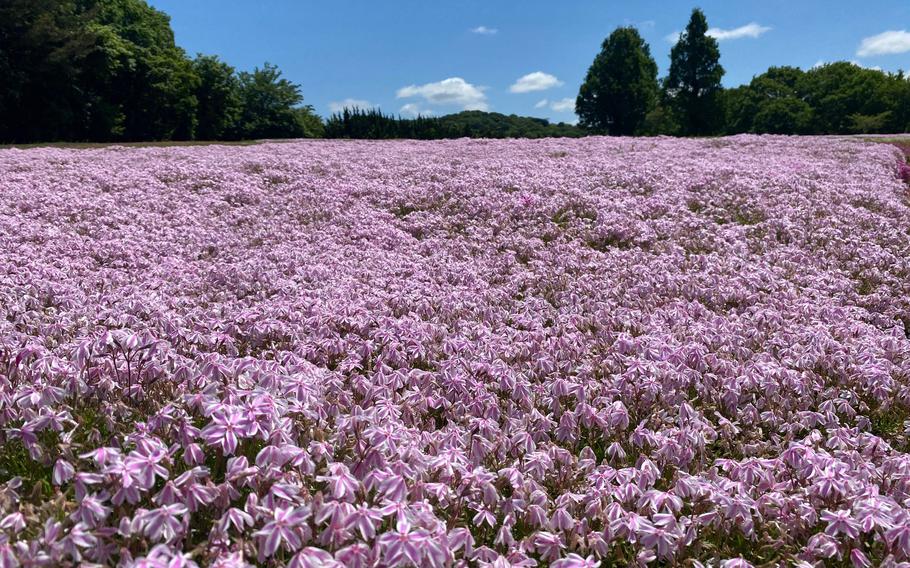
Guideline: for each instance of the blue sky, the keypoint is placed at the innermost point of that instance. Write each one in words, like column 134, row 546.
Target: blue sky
column 524, row 57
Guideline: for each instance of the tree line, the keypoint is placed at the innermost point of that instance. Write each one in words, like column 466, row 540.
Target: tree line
column 110, row 70
column 621, row 94
column 374, row 124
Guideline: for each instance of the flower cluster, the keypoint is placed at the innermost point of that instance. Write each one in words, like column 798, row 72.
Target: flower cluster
column 574, row 353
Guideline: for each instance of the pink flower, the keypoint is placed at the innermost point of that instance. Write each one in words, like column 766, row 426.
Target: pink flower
column 899, row 536
column 735, row 563
column 283, row 529
column 364, row 519
column 163, row 523
column 13, row 522
column 840, row 522
column 660, row 539
column 575, row 561
column 342, row 484
column 225, row 430
column 859, row 559
column 562, row 520
column 63, row 472
column 400, row 548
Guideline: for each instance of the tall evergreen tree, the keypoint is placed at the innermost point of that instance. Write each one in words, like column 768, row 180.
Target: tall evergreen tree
column 620, row 87
column 693, row 84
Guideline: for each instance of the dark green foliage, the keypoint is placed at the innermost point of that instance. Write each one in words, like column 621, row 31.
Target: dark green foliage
column 838, row 98
column 783, row 116
column 43, row 48
column 268, row 102
column 109, row 70
column 693, row 84
column 309, row 123
column 480, row 124
column 145, row 81
column 840, row 92
column 373, row 124
column 620, row 88
column 771, row 103
column 217, row 96
column 660, row 120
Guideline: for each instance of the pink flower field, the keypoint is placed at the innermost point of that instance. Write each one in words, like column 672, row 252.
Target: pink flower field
column 568, row 353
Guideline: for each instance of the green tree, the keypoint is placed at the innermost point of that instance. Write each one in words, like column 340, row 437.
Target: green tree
column 620, row 87
column 311, row 124
column 842, row 94
column 268, row 105
column 145, row 82
column 373, row 124
column 899, row 94
column 693, row 83
column 785, row 115
column 218, row 97
column 43, row 46
column 740, row 104
column 770, row 103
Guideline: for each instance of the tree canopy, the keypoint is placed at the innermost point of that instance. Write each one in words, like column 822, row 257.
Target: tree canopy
column 373, row 124
column 107, row 70
column 110, row 70
column 620, row 87
column 693, row 83
column 837, row 98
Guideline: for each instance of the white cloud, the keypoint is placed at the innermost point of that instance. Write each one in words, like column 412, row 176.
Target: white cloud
column 563, row 105
column 750, row 30
column 822, row 63
column 483, row 30
column 885, row 43
column 864, row 66
column 642, row 24
column 338, row 106
column 413, row 110
column 451, row 91
column 536, row 81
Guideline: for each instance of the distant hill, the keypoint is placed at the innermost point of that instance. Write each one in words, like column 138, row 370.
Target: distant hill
column 373, row 124
column 482, row 124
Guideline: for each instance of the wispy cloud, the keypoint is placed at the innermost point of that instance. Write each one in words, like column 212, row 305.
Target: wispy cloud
column 413, row 110
column 864, row 66
column 822, row 63
column 648, row 24
column 885, row 43
column 536, row 81
column 750, row 30
column 338, row 106
column 484, row 30
column 563, row 105
column 451, row 91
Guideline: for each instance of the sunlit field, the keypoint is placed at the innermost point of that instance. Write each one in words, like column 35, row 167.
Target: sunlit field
column 571, row 353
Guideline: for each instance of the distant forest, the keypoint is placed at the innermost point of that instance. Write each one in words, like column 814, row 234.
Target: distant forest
column 110, row 70
column 372, row 123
